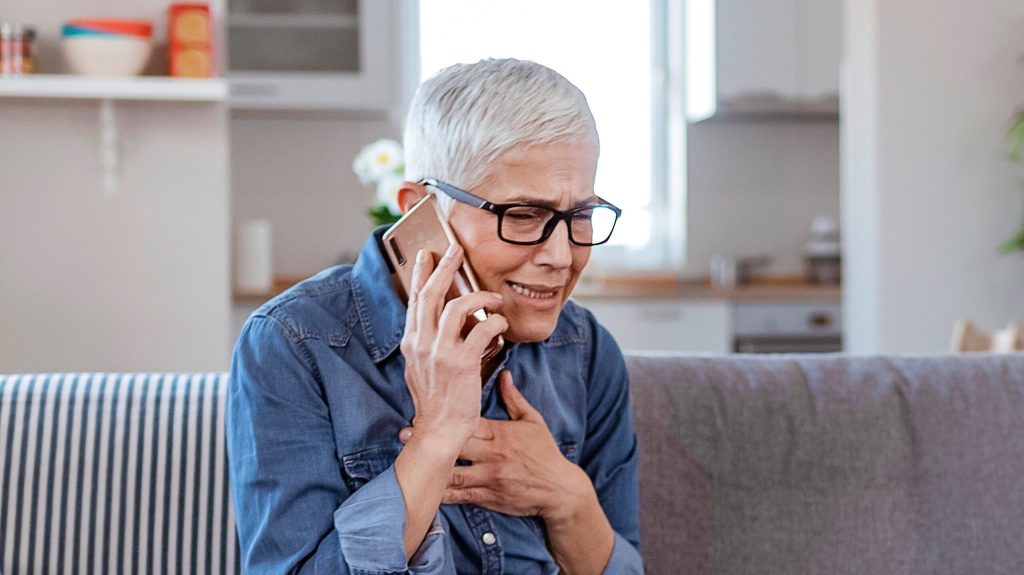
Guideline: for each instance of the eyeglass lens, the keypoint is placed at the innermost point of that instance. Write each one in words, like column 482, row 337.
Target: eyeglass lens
column 528, row 223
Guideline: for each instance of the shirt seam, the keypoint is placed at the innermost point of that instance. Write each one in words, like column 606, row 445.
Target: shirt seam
column 299, row 341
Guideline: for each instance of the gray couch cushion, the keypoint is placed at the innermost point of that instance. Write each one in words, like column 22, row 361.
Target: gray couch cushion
column 831, row 464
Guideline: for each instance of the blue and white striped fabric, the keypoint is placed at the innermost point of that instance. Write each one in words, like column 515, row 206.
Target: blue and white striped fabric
column 114, row 474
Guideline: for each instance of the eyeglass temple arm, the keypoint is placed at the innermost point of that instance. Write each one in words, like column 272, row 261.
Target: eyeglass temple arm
column 457, row 194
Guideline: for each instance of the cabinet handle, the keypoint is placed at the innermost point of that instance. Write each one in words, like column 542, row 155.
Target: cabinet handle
column 261, row 90
column 668, row 314
column 820, row 320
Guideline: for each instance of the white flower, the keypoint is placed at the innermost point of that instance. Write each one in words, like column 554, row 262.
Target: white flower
column 378, row 160
column 387, row 191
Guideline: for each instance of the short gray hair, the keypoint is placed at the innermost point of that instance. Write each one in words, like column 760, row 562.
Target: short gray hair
column 467, row 115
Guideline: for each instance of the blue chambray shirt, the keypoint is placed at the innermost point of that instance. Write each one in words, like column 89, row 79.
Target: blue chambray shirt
column 316, row 401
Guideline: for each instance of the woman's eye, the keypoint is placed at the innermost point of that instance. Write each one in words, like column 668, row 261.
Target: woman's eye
column 524, row 215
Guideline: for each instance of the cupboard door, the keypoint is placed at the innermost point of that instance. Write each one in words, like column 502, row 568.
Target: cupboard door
column 821, row 27
column 312, row 54
column 757, row 45
column 666, row 325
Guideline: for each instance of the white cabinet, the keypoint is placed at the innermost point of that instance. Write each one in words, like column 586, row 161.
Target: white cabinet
column 695, row 326
column 786, row 49
column 312, row 54
column 821, row 31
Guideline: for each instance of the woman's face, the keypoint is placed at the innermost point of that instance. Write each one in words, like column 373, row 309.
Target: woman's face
column 534, row 280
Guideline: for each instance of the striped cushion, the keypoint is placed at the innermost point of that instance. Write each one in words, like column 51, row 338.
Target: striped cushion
column 114, row 474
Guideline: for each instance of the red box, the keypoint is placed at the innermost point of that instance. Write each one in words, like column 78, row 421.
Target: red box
column 190, row 40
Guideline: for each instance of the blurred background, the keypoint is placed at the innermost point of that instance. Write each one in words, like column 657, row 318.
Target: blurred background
column 797, row 175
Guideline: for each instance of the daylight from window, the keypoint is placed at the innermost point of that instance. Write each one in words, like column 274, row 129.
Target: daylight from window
column 604, row 48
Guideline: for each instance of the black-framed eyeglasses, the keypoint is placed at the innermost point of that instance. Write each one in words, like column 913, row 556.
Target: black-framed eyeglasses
column 528, row 224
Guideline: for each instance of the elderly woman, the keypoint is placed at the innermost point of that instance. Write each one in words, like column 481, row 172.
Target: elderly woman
column 364, row 434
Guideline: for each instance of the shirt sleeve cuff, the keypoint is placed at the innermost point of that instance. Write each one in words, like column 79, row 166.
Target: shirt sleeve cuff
column 367, row 525
column 625, row 559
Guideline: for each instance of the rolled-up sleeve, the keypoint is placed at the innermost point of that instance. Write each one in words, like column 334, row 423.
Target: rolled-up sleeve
column 369, row 541
column 625, row 559
column 610, row 451
column 293, row 509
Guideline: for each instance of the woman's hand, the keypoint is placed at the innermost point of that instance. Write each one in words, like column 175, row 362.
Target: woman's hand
column 442, row 369
column 517, row 467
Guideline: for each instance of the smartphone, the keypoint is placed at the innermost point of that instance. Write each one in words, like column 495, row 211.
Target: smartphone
column 423, row 227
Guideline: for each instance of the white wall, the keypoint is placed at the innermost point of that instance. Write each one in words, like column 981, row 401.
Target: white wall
column 137, row 281
column 296, row 170
column 928, row 88
column 755, row 187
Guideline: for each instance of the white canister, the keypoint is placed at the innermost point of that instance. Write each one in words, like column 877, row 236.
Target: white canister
column 254, row 272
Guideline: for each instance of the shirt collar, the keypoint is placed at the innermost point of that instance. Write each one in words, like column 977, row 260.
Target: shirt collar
column 381, row 312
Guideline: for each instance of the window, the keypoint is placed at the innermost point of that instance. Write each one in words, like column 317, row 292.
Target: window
column 618, row 54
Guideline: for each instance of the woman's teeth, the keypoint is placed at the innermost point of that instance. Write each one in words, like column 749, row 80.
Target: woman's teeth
column 530, row 293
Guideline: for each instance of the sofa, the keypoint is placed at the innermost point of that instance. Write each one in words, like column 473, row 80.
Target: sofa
column 748, row 464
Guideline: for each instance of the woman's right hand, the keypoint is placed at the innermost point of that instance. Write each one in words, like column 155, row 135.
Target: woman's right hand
column 442, row 369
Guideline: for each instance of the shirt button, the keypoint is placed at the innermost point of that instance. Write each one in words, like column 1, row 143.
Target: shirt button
column 489, row 538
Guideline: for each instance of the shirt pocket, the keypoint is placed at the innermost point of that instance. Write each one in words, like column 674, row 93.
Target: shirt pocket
column 362, row 466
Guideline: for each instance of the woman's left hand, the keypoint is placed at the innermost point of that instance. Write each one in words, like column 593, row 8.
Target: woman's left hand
column 517, row 468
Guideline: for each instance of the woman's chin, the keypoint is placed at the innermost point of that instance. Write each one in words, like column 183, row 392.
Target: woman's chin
column 534, row 331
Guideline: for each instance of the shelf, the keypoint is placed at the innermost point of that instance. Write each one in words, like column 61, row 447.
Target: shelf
column 300, row 21
column 151, row 88
column 281, row 283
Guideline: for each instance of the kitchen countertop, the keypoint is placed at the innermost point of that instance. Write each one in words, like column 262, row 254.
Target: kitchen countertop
column 666, row 286
column 648, row 286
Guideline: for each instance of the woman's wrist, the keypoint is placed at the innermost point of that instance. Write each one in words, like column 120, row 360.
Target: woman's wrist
column 577, row 502
column 442, row 443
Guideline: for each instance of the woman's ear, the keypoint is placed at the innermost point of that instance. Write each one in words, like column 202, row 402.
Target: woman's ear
column 410, row 194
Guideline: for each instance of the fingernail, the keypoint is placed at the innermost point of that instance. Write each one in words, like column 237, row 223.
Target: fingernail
column 405, row 435
column 421, row 256
column 452, row 250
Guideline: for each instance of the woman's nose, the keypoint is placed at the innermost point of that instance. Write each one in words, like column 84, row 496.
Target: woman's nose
column 556, row 251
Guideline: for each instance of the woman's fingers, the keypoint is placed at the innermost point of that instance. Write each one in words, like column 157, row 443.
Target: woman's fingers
column 430, row 297
column 482, row 333
column 453, row 318
column 420, row 272
column 515, row 403
column 479, row 451
column 471, row 476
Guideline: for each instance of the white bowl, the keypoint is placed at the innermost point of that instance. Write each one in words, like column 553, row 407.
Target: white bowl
column 106, row 55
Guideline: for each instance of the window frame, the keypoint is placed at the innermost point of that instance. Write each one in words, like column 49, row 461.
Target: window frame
column 666, row 251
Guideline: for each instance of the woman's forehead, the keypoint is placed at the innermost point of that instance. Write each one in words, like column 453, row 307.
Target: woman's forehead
column 550, row 173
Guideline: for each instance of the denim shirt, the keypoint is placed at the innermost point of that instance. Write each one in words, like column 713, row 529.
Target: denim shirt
column 317, row 398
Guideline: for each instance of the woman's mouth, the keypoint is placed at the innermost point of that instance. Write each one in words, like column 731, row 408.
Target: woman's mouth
column 537, row 292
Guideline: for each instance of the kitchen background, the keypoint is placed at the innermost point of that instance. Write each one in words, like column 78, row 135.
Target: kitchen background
column 140, row 279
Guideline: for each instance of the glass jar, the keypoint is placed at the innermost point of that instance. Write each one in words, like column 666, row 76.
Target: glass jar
column 16, row 54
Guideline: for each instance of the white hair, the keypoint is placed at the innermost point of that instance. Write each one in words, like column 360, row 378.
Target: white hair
column 467, row 115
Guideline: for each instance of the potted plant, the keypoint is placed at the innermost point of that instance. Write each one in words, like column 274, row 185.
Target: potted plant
column 382, row 164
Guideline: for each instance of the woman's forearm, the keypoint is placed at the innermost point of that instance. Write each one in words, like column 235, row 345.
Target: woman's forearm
column 423, row 468
column 580, row 537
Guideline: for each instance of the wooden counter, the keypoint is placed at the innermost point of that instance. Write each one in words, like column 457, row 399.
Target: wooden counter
column 662, row 286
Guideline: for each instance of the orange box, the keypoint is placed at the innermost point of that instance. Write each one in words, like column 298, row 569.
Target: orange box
column 190, row 40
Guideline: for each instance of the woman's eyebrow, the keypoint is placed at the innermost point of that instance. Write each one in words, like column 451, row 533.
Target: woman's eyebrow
column 548, row 203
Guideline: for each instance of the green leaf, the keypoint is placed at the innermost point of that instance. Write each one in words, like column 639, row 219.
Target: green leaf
column 380, row 215
column 1015, row 138
column 1016, row 243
